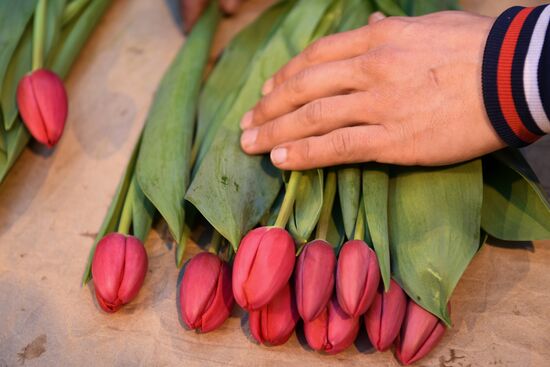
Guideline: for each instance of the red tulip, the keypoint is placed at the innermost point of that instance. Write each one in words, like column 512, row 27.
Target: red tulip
column 263, row 265
column 42, row 102
column 420, row 333
column 206, row 298
column 274, row 323
column 118, row 269
column 357, row 277
column 385, row 316
column 314, row 278
column 333, row 331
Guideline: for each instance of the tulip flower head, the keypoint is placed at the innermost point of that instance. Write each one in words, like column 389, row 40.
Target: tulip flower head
column 333, row 331
column 274, row 323
column 357, row 277
column 420, row 333
column 314, row 278
column 384, row 318
column 263, row 265
column 206, row 298
column 118, row 270
column 43, row 105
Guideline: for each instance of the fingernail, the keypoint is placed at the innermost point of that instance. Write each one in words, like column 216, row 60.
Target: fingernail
column 246, row 121
column 248, row 138
column 278, row 155
column 268, row 86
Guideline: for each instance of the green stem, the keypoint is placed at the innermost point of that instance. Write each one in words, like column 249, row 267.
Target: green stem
column 126, row 215
column 328, row 201
column 359, row 233
column 73, row 9
column 288, row 201
column 39, row 35
column 215, row 242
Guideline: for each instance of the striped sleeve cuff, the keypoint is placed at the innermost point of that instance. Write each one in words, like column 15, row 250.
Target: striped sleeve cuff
column 516, row 75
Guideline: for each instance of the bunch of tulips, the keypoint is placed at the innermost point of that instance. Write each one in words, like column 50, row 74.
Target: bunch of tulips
column 332, row 295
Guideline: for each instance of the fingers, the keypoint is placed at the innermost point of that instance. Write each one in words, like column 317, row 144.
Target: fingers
column 347, row 145
column 191, row 10
column 320, row 81
column 316, row 118
column 335, row 47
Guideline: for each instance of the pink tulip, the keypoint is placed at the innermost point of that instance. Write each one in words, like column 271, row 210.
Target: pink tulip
column 42, row 102
column 357, row 277
column 420, row 333
column 263, row 265
column 274, row 323
column 384, row 318
column 206, row 298
column 314, row 278
column 118, row 269
column 333, row 331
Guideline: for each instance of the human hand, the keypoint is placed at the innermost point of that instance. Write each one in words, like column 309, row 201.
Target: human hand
column 191, row 10
column 400, row 90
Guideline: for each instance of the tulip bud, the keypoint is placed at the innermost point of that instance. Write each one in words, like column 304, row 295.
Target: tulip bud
column 384, row 318
column 206, row 298
column 42, row 102
column 118, row 269
column 263, row 265
column 274, row 323
column 420, row 333
column 314, row 278
column 333, row 331
column 357, row 277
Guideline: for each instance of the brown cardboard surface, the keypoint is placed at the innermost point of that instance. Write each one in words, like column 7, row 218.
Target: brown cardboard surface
column 52, row 204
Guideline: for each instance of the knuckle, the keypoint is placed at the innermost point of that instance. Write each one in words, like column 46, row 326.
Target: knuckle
column 305, row 150
column 262, row 108
column 313, row 112
column 341, row 143
column 296, row 83
column 311, row 52
column 270, row 131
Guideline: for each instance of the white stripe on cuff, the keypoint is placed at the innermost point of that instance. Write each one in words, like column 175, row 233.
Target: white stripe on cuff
column 530, row 72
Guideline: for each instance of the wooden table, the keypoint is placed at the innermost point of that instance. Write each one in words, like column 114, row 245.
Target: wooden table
column 53, row 202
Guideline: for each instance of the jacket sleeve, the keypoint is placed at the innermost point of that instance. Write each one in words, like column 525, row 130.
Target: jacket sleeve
column 516, row 75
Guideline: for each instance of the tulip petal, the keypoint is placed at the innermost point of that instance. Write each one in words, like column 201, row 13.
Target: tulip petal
column 274, row 323
column 316, row 331
column 108, row 266
column 385, row 315
column 271, row 268
column 135, row 267
column 314, row 278
column 221, row 306
column 356, row 284
column 198, row 287
column 243, row 263
column 28, row 108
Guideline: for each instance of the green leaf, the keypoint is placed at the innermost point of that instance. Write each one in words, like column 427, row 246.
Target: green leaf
column 375, row 201
column 389, row 7
column 16, row 140
column 416, row 7
column 14, row 17
column 73, row 37
column 111, row 220
column 349, row 192
column 20, row 64
column 434, row 216
column 307, row 205
column 515, row 207
column 222, row 87
column 143, row 212
column 165, row 156
column 234, row 199
column 355, row 14
column 336, row 233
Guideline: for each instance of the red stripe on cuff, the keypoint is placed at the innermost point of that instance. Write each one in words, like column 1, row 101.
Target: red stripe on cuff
column 504, row 78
